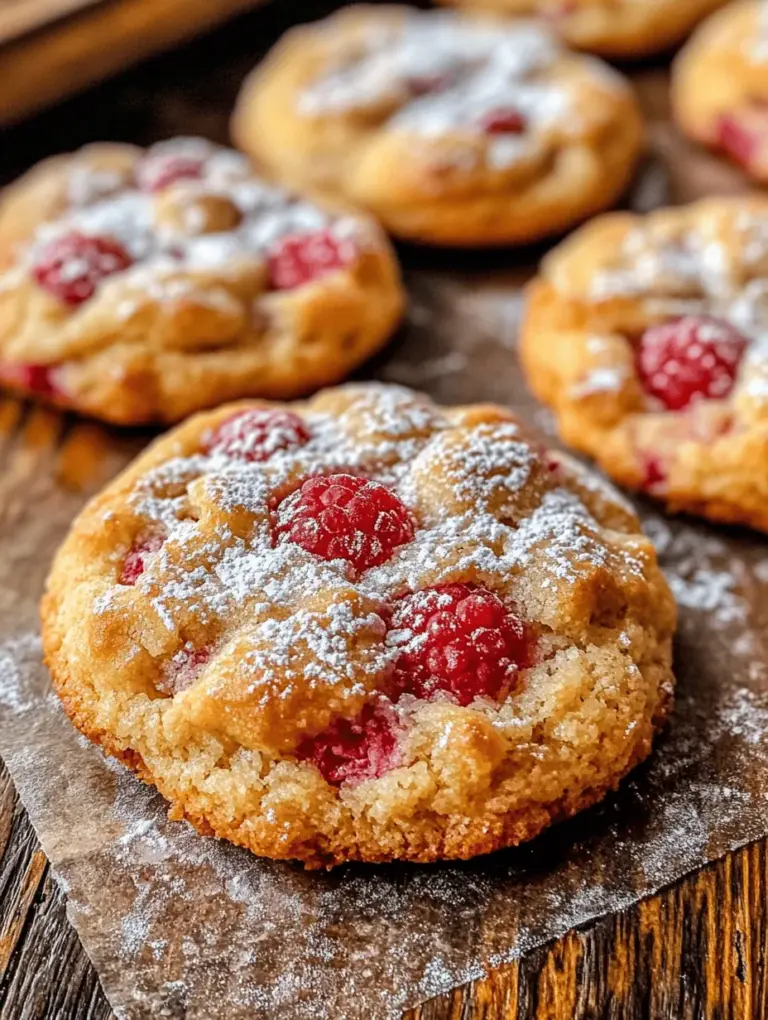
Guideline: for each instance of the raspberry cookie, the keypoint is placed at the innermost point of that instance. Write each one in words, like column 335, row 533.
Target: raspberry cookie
column 720, row 85
column 362, row 628
column 142, row 285
column 450, row 130
column 613, row 28
column 647, row 336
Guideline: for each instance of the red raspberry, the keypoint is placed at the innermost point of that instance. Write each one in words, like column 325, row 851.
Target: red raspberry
column 503, row 121
column 71, row 267
column 136, row 561
column 297, row 259
column 459, row 639
column 39, row 379
column 256, row 435
column 347, row 518
column 354, row 750
column 689, row 359
column 654, row 476
column 156, row 172
column 744, row 134
column 183, row 669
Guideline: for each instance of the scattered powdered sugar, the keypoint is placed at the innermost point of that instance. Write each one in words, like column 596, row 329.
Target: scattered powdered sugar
column 441, row 73
column 160, row 247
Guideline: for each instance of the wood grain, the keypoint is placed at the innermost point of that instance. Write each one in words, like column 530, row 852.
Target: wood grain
column 694, row 952
column 42, row 66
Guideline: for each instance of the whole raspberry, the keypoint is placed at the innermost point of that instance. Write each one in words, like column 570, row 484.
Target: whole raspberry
column 689, row 359
column 39, row 379
column 156, row 172
column 297, row 259
column 347, row 518
column 503, row 121
column 136, row 561
column 71, row 267
column 744, row 134
column 256, row 435
column 354, row 750
column 458, row 639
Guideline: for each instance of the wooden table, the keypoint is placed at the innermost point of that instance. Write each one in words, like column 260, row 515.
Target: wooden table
column 697, row 950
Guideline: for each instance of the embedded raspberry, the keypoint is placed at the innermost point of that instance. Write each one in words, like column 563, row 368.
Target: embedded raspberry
column 258, row 434
column 71, row 267
column 38, row 379
column 136, row 561
column 503, row 121
column 654, row 476
column 350, row 751
column 347, row 518
column 157, row 172
column 183, row 669
column 298, row 259
column 458, row 639
column 744, row 134
column 690, row 359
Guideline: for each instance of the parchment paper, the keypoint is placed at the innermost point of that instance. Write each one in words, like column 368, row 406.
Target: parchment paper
column 182, row 926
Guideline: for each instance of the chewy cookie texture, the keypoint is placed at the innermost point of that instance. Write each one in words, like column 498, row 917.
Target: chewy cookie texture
column 364, row 627
column 141, row 285
column 646, row 335
column 449, row 129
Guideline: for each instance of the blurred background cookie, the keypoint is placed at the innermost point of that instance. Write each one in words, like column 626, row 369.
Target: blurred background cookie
column 613, row 28
column 720, row 85
column 647, row 337
column 450, row 130
column 142, row 285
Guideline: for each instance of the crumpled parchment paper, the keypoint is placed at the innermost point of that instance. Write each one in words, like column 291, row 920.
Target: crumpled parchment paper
column 183, row 926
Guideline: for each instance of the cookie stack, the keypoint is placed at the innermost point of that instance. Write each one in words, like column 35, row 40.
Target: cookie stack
column 364, row 626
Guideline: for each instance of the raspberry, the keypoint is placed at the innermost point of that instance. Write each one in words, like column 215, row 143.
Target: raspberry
column 71, row 267
column 689, row 359
column 459, row 639
column 256, row 435
column 654, row 476
column 157, row 172
column 297, row 259
column 354, row 750
column 183, row 669
column 136, row 561
column 503, row 121
column 39, row 379
column 744, row 134
column 347, row 518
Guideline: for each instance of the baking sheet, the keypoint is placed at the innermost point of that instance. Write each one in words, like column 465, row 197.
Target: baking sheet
column 182, row 926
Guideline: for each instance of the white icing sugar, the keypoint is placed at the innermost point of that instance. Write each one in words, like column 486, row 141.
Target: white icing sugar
column 283, row 597
column 440, row 73
column 104, row 205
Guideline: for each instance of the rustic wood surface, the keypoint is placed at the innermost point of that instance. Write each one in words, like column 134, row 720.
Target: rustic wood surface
column 695, row 951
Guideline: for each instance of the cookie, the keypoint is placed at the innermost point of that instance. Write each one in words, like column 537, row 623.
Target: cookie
column 612, row 28
column 450, row 130
column 720, row 86
column 647, row 337
column 140, row 286
column 362, row 628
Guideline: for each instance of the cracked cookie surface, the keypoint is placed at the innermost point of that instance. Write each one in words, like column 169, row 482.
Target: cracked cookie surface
column 364, row 627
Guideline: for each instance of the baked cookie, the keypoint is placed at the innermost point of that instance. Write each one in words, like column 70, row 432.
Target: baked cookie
column 720, row 85
column 647, row 336
column 139, row 286
column 613, row 28
column 362, row 628
column 450, row 130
